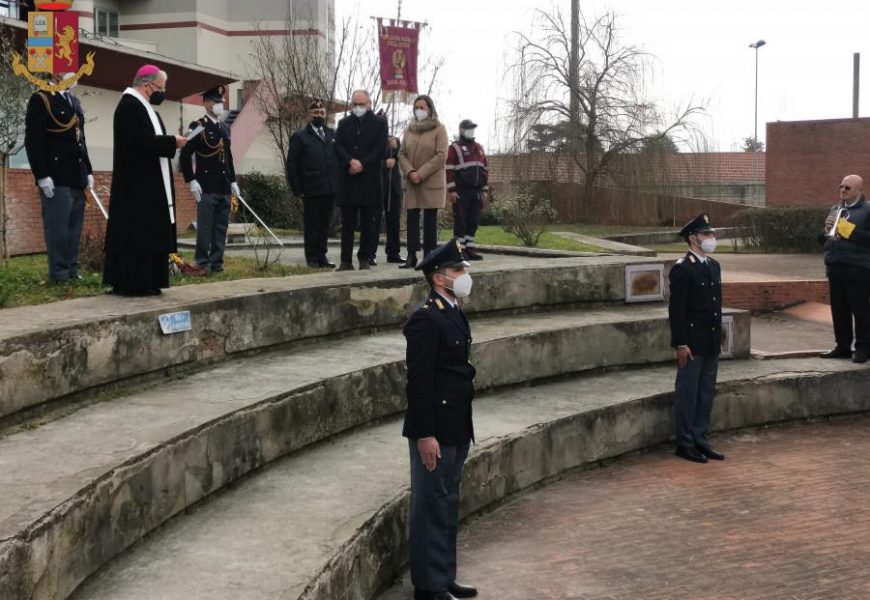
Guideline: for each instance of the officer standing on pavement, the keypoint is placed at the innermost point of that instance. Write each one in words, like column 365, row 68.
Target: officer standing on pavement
column 438, row 422
column 207, row 164
column 467, row 189
column 695, row 313
column 312, row 173
column 54, row 138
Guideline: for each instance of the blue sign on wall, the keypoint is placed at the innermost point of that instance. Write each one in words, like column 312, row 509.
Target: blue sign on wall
column 175, row 322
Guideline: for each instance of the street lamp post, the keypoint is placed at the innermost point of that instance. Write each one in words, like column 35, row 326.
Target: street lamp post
column 756, row 45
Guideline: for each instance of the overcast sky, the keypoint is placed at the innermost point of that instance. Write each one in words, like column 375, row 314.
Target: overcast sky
column 702, row 50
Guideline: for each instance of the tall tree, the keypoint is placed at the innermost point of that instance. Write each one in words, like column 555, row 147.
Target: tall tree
column 751, row 144
column 14, row 94
column 614, row 112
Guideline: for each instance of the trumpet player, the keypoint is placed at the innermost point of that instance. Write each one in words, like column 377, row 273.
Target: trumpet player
column 847, row 262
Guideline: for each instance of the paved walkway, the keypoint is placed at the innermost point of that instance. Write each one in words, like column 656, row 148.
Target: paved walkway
column 783, row 518
column 766, row 267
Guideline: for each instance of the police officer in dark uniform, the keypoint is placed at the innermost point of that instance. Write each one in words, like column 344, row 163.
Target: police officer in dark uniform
column 695, row 313
column 54, row 138
column 207, row 164
column 312, row 174
column 438, row 422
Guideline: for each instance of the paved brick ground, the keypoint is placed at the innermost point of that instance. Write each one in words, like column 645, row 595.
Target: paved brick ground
column 785, row 517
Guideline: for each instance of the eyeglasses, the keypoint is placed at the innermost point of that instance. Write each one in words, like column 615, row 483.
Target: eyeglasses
column 359, row 104
column 845, row 187
column 157, row 89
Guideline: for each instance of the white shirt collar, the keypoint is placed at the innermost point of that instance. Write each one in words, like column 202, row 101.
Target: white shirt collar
column 211, row 118
column 855, row 202
column 703, row 259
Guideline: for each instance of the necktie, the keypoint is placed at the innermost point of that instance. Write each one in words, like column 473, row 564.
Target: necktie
column 321, row 135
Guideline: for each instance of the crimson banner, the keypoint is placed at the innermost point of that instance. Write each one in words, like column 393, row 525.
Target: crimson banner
column 66, row 42
column 399, row 43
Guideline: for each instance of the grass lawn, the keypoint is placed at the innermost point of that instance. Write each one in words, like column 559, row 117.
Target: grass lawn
column 494, row 235
column 23, row 280
column 606, row 230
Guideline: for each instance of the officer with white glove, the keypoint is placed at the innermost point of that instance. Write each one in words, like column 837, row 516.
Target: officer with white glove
column 54, row 138
column 207, row 164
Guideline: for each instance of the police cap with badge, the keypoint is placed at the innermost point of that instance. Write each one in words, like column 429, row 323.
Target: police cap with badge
column 447, row 255
column 215, row 94
column 316, row 104
column 699, row 224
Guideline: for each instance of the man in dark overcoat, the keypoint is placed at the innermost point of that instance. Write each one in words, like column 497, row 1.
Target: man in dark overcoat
column 208, row 168
column 438, row 422
column 312, row 174
column 54, row 138
column 141, row 231
column 360, row 145
column 695, row 313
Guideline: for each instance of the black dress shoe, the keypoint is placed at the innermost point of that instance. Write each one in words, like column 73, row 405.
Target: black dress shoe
column 472, row 254
column 860, row 357
column 710, row 453
column 373, row 262
column 364, row 265
column 410, row 262
column 461, row 591
column 313, row 265
column 837, row 352
column 691, row 454
column 397, row 259
column 325, row 264
column 345, row 266
column 421, row 595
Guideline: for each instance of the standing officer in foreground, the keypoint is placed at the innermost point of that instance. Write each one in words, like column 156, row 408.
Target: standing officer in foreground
column 312, row 174
column 847, row 261
column 211, row 180
column 54, row 137
column 438, row 422
column 467, row 189
column 695, row 313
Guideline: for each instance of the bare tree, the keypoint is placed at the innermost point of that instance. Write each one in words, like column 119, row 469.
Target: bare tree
column 607, row 87
column 14, row 94
column 288, row 71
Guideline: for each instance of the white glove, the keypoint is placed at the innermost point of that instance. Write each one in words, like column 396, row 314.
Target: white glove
column 196, row 190
column 235, row 188
column 90, row 182
column 46, row 184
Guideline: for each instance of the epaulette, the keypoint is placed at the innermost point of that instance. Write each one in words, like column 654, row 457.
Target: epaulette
column 692, row 259
column 680, row 261
column 439, row 304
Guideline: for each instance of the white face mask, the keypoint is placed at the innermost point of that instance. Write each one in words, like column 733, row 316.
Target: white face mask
column 359, row 111
column 709, row 245
column 218, row 109
column 461, row 286
column 420, row 114
column 468, row 134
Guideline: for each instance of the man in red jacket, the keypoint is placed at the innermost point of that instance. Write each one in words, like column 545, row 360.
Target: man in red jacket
column 467, row 187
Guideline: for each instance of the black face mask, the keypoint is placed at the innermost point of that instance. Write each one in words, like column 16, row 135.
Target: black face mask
column 157, row 98
column 318, row 121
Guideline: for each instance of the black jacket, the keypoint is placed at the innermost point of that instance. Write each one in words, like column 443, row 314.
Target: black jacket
column 365, row 140
column 440, row 377
column 215, row 170
column 854, row 252
column 695, row 308
column 311, row 166
column 55, row 140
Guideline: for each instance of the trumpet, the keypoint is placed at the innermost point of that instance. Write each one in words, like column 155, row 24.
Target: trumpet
column 838, row 212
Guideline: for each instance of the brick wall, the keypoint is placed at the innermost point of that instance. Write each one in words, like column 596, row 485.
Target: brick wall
column 807, row 159
column 25, row 235
column 768, row 296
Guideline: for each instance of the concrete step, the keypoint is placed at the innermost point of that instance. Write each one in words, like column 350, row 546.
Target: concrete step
column 81, row 489
column 329, row 523
column 61, row 350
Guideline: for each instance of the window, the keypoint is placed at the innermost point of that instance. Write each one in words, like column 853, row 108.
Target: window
column 9, row 8
column 106, row 22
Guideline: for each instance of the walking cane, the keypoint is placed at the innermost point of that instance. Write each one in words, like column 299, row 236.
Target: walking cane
column 98, row 203
column 256, row 216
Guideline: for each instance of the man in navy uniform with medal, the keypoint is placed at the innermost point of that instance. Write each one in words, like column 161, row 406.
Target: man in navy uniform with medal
column 695, row 313
column 54, row 137
column 438, row 422
column 212, row 179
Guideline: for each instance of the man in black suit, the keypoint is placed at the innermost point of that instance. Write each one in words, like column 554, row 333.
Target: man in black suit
column 695, row 313
column 360, row 146
column 54, row 138
column 212, row 180
column 438, row 422
column 847, row 261
column 312, row 172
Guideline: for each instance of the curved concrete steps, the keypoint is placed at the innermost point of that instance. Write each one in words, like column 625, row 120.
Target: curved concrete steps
column 79, row 490
column 62, row 350
column 329, row 523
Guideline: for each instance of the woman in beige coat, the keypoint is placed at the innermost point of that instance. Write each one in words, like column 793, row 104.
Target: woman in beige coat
column 421, row 159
